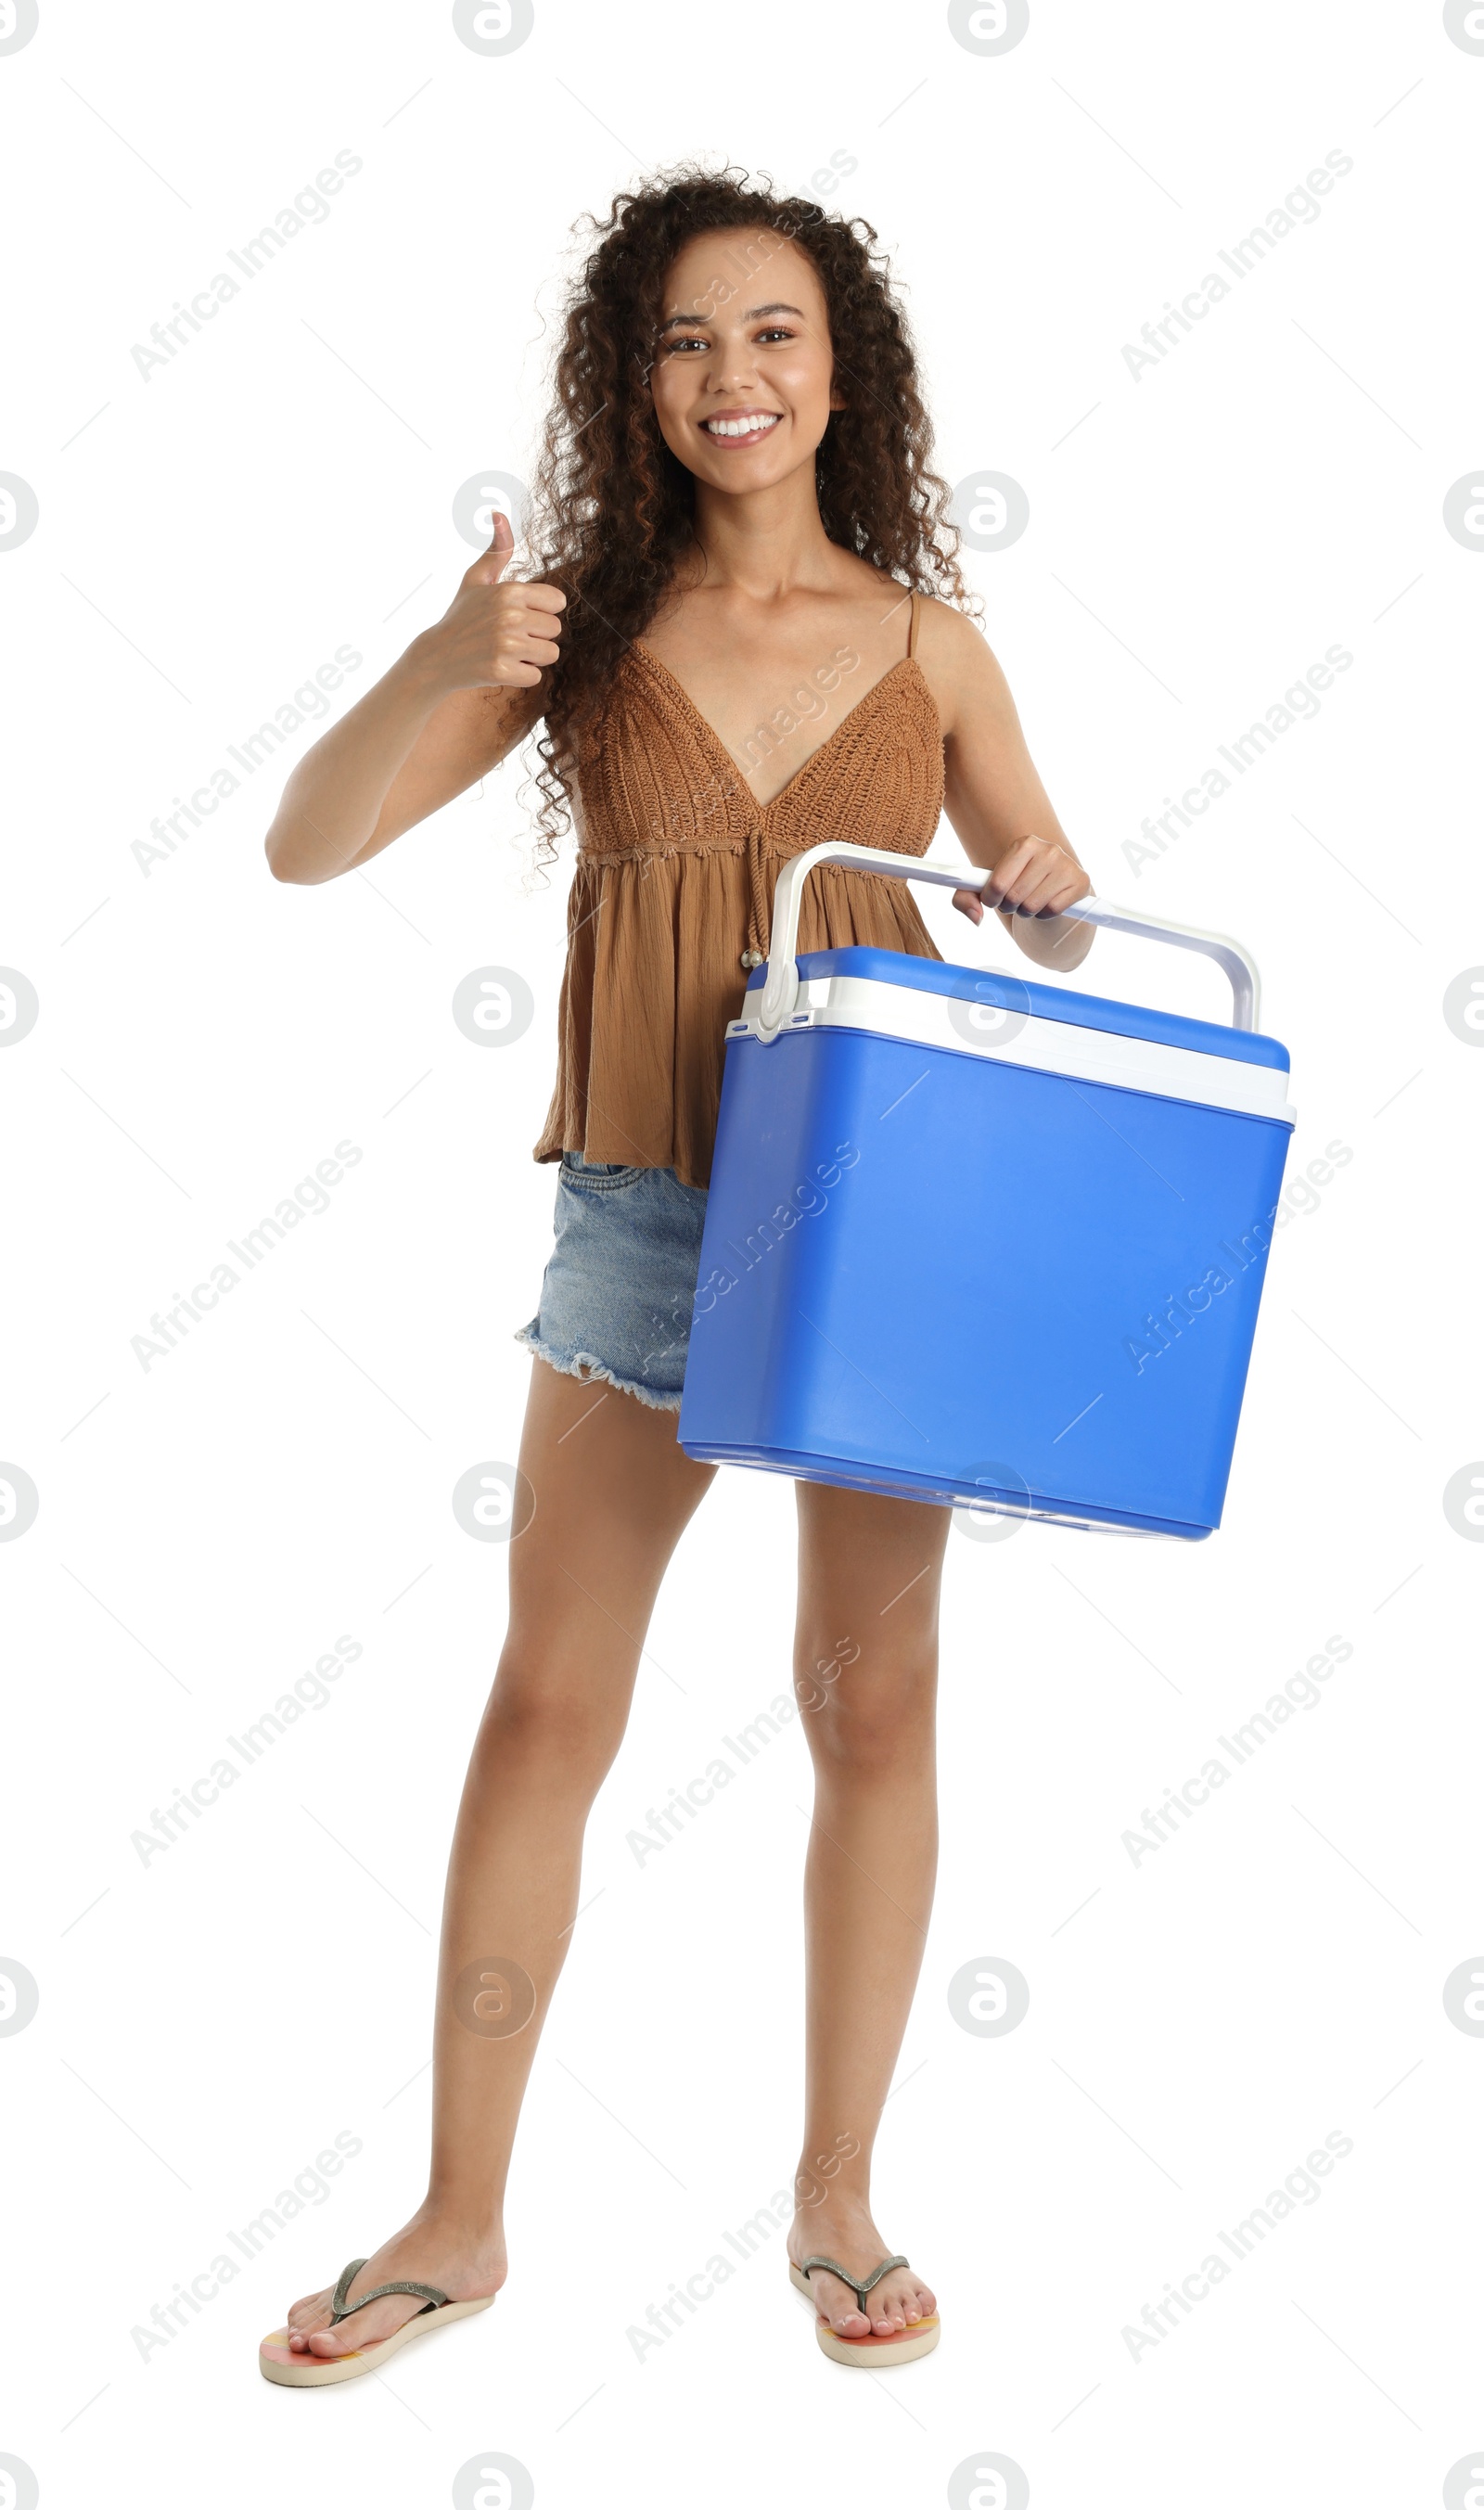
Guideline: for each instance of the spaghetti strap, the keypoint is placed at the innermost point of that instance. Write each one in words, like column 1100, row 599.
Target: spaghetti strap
column 912, row 629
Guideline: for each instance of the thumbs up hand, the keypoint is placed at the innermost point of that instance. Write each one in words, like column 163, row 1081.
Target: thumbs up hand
column 495, row 635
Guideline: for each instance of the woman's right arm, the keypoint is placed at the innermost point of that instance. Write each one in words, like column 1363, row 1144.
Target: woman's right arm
column 450, row 708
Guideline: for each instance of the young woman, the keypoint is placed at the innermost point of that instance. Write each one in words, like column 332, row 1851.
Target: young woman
column 734, row 640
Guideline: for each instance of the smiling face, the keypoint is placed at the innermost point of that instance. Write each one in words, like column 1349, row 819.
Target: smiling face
column 742, row 378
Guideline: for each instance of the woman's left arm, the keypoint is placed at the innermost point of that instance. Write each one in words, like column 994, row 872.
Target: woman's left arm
column 996, row 801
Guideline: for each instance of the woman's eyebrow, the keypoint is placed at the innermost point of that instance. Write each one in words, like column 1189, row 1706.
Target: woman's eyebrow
column 754, row 314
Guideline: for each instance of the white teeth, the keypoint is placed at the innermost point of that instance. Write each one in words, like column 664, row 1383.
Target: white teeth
column 741, row 426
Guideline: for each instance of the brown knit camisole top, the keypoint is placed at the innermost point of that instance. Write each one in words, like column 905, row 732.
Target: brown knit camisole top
column 674, row 881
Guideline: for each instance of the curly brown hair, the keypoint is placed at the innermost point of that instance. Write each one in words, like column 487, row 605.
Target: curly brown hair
column 612, row 509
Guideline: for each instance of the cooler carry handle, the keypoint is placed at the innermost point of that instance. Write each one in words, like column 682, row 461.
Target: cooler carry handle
column 780, row 985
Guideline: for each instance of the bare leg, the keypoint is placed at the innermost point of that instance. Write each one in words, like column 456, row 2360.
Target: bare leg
column 613, row 1494
column 865, row 1672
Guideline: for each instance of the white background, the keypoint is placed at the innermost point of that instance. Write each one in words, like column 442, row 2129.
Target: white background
column 208, row 1526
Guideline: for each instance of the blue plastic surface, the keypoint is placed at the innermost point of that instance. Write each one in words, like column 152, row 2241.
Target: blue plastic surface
column 951, row 1277
column 1042, row 1001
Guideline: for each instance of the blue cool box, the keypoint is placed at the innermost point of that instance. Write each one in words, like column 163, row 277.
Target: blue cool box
column 975, row 1239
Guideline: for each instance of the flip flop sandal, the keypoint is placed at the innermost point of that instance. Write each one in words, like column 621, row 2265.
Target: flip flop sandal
column 868, row 2352
column 292, row 2370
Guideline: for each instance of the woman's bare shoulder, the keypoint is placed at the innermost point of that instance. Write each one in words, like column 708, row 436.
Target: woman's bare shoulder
column 950, row 630
column 956, row 659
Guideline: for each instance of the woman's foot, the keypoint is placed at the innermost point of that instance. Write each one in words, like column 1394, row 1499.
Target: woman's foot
column 424, row 2251
column 837, row 2229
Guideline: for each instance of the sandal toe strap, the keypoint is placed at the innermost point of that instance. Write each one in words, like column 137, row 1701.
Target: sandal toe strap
column 428, row 2294
column 832, row 2266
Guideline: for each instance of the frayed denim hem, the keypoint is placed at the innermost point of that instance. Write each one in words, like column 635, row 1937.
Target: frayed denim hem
column 586, row 1365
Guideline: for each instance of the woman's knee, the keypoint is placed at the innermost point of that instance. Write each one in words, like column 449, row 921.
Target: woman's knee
column 571, row 1717
column 869, row 1719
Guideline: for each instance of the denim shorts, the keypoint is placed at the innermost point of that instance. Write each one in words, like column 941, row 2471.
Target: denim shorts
column 616, row 1297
